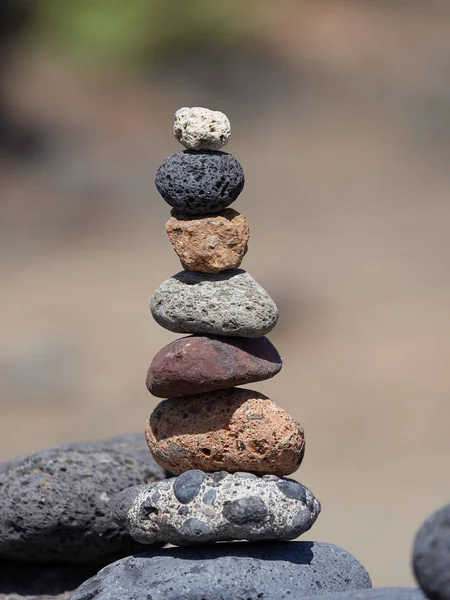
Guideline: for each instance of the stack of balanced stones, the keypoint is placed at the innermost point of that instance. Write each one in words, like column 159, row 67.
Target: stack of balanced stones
column 230, row 448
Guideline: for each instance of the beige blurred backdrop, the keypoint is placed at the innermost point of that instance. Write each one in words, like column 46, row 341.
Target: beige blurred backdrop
column 341, row 119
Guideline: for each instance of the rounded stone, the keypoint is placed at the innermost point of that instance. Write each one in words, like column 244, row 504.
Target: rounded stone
column 236, row 509
column 200, row 128
column 233, row 430
column 200, row 182
column 431, row 555
column 198, row 364
column 209, row 244
column 230, row 303
column 284, row 571
column 55, row 504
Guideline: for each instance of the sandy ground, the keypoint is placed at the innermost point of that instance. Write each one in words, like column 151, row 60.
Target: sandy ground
column 347, row 199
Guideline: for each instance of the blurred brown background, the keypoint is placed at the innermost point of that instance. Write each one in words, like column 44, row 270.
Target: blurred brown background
column 341, row 119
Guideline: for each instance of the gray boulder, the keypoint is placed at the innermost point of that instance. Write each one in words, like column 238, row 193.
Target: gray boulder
column 431, row 555
column 55, row 505
column 280, row 571
column 196, row 507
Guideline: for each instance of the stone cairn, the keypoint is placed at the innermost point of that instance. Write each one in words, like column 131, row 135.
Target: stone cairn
column 230, row 447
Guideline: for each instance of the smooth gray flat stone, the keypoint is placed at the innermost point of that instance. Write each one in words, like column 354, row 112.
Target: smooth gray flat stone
column 197, row 507
column 283, row 571
column 402, row 593
column 55, row 505
column 228, row 303
column 431, row 555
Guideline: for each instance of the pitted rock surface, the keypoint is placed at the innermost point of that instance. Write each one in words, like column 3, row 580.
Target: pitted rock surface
column 402, row 593
column 55, row 505
column 196, row 507
column 232, row 430
column 129, row 444
column 209, row 244
column 229, row 303
column 283, row 571
column 431, row 555
column 200, row 128
column 200, row 182
column 197, row 364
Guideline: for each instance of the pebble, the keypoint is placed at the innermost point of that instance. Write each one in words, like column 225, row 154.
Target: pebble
column 228, row 303
column 197, row 507
column 200, row 128
column 55, row 504
column 284, row 571
column 232, row 430
column 200, row 182
column 209, row 244
column 402, row 593
column 431, row 555
column 197, row 364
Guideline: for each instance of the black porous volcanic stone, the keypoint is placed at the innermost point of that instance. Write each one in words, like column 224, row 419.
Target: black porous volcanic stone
column 275, row 571
column 55, row 505
column 199, row 182
column 431, row 555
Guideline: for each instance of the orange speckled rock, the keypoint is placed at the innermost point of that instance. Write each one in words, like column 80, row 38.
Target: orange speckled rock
column 209, row 244
column 226, row 430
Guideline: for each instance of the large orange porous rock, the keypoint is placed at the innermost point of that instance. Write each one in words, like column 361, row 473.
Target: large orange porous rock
column 225, row 430
column 209, row 244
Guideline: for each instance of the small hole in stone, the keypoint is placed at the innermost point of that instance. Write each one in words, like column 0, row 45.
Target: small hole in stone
column 206, row 451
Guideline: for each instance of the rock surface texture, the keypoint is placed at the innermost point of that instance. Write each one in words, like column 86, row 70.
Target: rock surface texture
column 431, row 555
column 200, row 128
column 231, row 430
column 209, row 244
column 229, row 303
column 284, row 571
column 200, row 182
column 402, row 593
column 197, row 364
column 55, row 505
column 199, row 508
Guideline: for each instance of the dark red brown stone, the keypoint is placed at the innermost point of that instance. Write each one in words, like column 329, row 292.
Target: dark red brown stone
column 197, row 364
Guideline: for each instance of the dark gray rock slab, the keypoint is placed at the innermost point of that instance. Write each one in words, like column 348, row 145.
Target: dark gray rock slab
column 130, row 444
column 402, row 593
column 230, row 303
column 431, row 555
column 198, row 182
column 55, row 505
column 197, row 508
column 276, row 571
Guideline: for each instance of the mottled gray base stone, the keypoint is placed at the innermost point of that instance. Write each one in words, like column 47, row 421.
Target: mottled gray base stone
column 228, row 303
column 41, row 582
column 196, row 507
column 129, row 444
column 55, row 505
column 275, row 571
column 431, row 555
column 402, row 593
